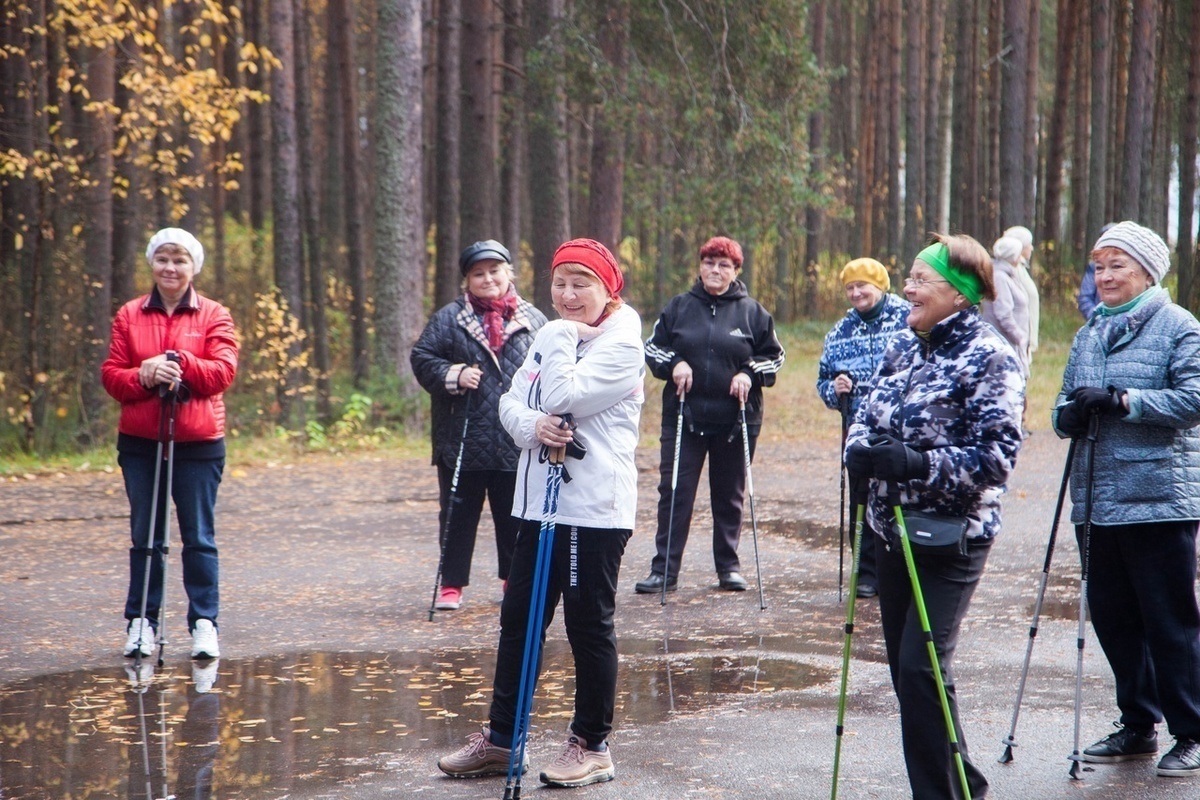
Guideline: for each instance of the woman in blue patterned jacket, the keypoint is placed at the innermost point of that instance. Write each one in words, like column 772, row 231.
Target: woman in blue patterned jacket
column 852, row 351
column 1136, row 362
column 942, row 426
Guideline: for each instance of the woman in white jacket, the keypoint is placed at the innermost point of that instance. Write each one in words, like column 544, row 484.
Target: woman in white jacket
column 580, row 385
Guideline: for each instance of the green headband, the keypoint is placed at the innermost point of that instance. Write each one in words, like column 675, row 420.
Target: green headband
column 937, row 255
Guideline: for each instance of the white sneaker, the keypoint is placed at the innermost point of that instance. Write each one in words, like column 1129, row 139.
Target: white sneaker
column 205, row 675
column 140, row 676
column 204, row 640
column 139, row 635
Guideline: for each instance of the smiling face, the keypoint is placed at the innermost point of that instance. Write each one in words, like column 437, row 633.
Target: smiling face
column 717, row 274
column 488, row 279
column 1119, row 278
column 863, row 296
column 578, row 296
column 932, row 297
column 173, row 269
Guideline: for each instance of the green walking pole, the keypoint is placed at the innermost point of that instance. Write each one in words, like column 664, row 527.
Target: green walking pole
column 858, row 493
column 919, row 600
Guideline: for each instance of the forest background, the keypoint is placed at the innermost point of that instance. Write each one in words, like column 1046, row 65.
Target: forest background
column 334, row 156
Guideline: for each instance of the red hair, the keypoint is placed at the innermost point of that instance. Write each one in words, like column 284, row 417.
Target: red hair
column 723, row 246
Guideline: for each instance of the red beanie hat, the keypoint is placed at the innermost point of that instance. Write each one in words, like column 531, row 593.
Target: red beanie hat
column 595, row 257
column 719, row 246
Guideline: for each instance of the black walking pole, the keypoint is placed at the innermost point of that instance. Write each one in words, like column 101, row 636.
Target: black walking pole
column 859, row 492
column 671, row 512
column 1081, row 636
column 172, row 392
column 451, row 503
column 762, row 602
column 844, row 408
column 923, row 616
column 1010, row 742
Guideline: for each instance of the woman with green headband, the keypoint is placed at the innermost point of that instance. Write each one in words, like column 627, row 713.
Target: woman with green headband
column 942, row 428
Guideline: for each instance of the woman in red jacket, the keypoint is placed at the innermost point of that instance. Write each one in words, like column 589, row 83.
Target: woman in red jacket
column 172, row 340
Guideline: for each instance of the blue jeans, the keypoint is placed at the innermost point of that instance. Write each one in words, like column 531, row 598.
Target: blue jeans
column 194, row 493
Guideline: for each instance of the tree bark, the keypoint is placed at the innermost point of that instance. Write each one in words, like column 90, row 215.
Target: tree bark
column 258, row 167
column 915, row 83
column 1101, row 20
column 1189, row 130
column 449, row 190
column 813, row 215
column 935, row 79
column 1138, row 106
column 548, row 172
column 478, row 209
column 513, row 180
column 399, row 218
column 965, row 152
column 1057, row 129
column 606, row 198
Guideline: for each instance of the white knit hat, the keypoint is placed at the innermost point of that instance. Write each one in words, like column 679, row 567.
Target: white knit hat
column 1007, row 248
column 182, row 238
column 1021, row 234
column 1145, row 246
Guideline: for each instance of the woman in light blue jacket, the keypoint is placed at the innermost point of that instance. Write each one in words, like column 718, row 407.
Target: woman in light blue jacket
column 1136, row 363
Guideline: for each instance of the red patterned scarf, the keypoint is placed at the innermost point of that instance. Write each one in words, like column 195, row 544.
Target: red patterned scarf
column 495, row 314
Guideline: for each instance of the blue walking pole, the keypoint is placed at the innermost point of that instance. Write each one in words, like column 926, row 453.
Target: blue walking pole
column 533, row 630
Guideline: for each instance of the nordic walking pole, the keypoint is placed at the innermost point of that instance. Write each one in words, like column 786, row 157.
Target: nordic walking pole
column 171, row 392
column 158, row 459
column 919, row 602
column 451, row 503
column 860, row 501
column 1010, row 742
column 762, row 602
column 674, row 483
column 844, row 408
column 1081, row 635
column 533, row 629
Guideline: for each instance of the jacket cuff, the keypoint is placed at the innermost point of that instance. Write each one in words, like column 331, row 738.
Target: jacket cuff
column 450, row 382
column 1135, row 405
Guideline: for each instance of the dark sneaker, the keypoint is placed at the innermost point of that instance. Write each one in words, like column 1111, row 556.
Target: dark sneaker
column 578, row 766
column 1183, row 760
column 653, row 584
column 865, row 590
column 1124, row 745
column 732, row 582
column 479, row 757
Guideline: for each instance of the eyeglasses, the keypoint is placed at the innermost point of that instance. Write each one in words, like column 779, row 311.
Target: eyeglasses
column 917, row 283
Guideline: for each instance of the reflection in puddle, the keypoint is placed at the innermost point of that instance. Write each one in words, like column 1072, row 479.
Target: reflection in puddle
column 287, row 724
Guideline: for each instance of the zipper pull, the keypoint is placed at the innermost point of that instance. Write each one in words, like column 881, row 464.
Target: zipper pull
column 713, row 306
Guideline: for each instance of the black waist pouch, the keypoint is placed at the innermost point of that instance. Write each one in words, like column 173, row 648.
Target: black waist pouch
column 933, row 534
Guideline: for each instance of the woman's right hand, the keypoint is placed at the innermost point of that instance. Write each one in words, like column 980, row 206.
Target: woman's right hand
column 552, row 432
column 159, row 369
column 469, row 378
column 682, row 375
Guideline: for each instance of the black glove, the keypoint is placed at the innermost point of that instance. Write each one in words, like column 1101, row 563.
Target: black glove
column 893, row 460
column 1072, row 420
column 858, row 461
column 1103, row 401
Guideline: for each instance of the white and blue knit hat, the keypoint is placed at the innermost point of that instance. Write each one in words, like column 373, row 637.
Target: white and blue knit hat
column 182, row 238
column 1145, row 246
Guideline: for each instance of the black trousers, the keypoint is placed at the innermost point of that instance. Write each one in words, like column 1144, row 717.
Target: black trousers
column 1142, row 599
column 947, row 584
column 584, row 570
column 727, row 491
column 498, row 486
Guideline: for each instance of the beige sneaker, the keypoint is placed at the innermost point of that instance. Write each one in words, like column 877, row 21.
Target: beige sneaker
column 479, row 757
column 578, row 766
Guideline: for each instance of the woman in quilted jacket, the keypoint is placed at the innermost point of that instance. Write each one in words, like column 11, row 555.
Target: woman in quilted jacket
column 465, row 358
column 172, row 343
column 1136, row 364
column 941, row 427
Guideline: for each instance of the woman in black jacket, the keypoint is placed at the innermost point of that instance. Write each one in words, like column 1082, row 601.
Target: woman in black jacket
column 465, row 358
column 716, row 348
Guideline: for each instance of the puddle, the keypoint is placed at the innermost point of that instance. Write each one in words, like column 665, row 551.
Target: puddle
column 285, row 725
column 815, row 535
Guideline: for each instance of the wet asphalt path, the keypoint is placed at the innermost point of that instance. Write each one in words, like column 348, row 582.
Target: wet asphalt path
column 335, row 684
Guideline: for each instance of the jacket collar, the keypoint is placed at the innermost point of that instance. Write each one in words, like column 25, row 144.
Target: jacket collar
column 736, row 291
column 154, row 301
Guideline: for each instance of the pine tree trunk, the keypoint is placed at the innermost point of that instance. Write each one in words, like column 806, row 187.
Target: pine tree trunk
column 1138, row 106
column 1098, row 160
column 513, row 180
column 1057, row 129
column 399, row 223
column 813, row 215
column 966, row 152
column 607, row 196
column 915, row 82
column 449, row 190
column 1189, row 130
column 935, row 85
column 478, row 210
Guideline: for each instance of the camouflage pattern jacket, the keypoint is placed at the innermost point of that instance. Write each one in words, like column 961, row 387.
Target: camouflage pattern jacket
column 1147, row 463
column 957, row 397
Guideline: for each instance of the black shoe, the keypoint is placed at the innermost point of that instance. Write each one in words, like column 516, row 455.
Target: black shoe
column 653, row 584
column 732, row 582
column 865, row 590
column 1183, row 761
column 1125, row 745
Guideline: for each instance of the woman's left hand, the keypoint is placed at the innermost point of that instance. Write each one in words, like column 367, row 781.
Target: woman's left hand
column 552, row 432
column 739, row 387
column 159, row 369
